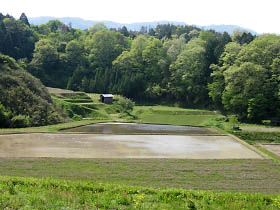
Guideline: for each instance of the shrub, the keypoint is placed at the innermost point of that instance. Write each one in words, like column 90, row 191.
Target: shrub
column 266, row 122
column 77, row 117
column 4, row 117
column 125, row 104
column 20, row 121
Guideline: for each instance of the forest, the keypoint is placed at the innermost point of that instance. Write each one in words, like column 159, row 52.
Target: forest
column 175, row 65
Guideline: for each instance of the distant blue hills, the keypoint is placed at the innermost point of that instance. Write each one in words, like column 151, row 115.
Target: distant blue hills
column 85, row 24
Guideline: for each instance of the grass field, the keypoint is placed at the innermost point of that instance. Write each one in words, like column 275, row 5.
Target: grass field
column 29, row 193
column 215, row 175
column 174, row 115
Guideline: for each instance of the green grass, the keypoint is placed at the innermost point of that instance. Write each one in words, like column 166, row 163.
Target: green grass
column 174, row 115
column 252, row 176
column 77, row 109
column 194, row 120
column 95, row 97
column 273, row 156
column 75, row 95
column 29, row 193
column 78, row 100
column 171, row 108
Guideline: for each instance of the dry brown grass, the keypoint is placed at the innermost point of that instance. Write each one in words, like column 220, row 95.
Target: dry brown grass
column 215, row 175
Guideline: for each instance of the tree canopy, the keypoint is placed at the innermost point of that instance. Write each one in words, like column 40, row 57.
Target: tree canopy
column 237, row 74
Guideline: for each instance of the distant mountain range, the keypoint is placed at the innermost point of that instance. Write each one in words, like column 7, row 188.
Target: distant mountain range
column 227, row 28
column 84, row 24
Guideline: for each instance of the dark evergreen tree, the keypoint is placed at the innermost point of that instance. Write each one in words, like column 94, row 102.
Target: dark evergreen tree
column 24, row 19
column 124, row 31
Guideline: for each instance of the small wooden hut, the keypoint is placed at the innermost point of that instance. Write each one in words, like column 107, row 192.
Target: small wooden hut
column 106, row 98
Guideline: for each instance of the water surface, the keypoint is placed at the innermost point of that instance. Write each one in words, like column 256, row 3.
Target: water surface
column 134, row 128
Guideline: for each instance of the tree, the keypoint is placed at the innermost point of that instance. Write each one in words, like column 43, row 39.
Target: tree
column 128, row 75
column 217, row 85
column 97, row 27
column 45, row 63
column 188, row 80
column 17, row 38
column 211, row 42
column 174, row 48
column 75, row 53
column 242, row 37
column 104, row 47
column 165, row 30
column 126, row 105
column 56, row 26
column 247, row 79
column 151, row 56
column 244, row 87
column 24, row 19
column 124, row 31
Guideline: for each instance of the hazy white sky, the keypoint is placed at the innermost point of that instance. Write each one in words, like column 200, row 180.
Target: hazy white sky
column 261, row 16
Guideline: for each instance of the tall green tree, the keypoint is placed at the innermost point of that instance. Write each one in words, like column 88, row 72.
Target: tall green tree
column 24, row 19
column 17, row 38
column 188, row 74
column 45, row 63
column 250, row 77
column 217, row 85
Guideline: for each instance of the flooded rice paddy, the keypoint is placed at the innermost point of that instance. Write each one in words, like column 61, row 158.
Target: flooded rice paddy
column 179, row 143
column 134, row 128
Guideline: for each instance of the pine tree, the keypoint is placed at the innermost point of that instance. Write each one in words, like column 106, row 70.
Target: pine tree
column 24, row 19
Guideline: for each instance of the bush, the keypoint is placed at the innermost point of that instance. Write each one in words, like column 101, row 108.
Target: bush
column 4, row 117
column 125, row 104
column 266, row 122
column 77, row 117
column 20, row 121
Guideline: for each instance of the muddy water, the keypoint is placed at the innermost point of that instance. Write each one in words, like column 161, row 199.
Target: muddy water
column 123, row 146
column 133, row 128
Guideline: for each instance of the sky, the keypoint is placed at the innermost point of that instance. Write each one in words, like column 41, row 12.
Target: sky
column 261, row 16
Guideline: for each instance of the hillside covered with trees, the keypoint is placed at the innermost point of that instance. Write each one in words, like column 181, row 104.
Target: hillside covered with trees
column 24, row 101
column 182, row 65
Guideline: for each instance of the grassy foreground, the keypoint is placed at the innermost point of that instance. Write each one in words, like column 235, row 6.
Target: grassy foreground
column 30, row 193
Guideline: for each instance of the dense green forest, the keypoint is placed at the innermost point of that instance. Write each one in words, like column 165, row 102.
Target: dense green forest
column 182, row 65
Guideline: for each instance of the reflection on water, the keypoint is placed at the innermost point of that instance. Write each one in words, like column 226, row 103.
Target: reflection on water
column 133, row 128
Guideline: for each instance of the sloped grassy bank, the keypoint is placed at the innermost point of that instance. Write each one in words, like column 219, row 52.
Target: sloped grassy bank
column 31, row 193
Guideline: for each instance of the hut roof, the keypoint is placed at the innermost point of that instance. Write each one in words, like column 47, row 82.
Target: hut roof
column 107, row 95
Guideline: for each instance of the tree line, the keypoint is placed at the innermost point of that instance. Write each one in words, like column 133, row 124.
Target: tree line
column 237, row 73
